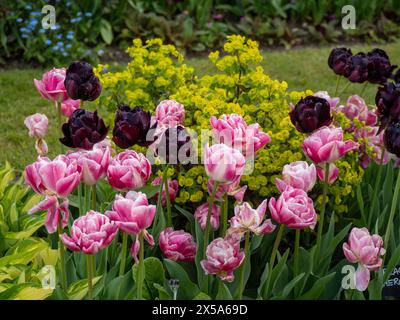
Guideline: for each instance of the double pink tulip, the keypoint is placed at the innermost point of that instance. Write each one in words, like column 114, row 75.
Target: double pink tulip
column 90, row 233
column 248, row 219
column 356, row 108
column 128, row 170
column 223, row 164
column 223, row 258
column 37, row 125
column 133, row 214
column 173, row 187
column 51, row 87
column 294, row 209
column 366, row 250
column 326, row 145
column 170, row 113
column 324, row 95
column 333, row 173
column 298, row 175
column 94, row 164
column 232, row 189
column 177, row 245
column 69, row 106
column 233, row 131
column 201, row 216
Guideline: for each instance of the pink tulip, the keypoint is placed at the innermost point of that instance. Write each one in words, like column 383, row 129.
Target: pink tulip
column 69, row 106
column 32, row 177
column 90, row 233
column 332, row 175
column 170, row 113
column 297, row 175
column 223, row 164
column 357, row 108
column 51, row 87
column 173, row 187
column 232, row 189
column 223, row 257
column 201, row 216
column 326, row 145
column 233, row 131
column 366, row 250
column 371, row 139
column 94, row 164
column 41, row 147
column 249, row 219
column 128, row 170
column 324, row 95
column 37, row 125
column 177, row 245
column 293, row 208
column 55, row 212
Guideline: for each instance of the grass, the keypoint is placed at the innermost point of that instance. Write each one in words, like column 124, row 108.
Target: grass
column 304, row 68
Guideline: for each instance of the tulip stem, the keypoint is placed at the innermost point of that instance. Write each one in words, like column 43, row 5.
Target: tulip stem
column 62, row 256
column 392, row 211
column 80, row 197
column 296, row 254
column 273, row 255
column 90, row 274
column 208, row 224
column 363, row 89
column 140, row 276
column 59, row 120
column 123, row 253
column 322, row 215
column 243, row 268
column 345, row 88
column 224, row 216
column 337, row 85
column 167, row 198
column 94, row 197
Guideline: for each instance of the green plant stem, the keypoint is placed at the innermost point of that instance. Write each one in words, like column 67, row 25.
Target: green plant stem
column 88, row 193
column 140, row 276
column 167, row 198
column 62, row 257
column 208, row 224
column 296, row 254
column 392, row 210
column 337, row 85
column 59, row 121
column 90, row 274
column 273, row 254
column 243, row 268
column 80, row 198
column 224, row 216
column 94, row 197
column 363, row 89
column 345, row 88
column 322, row 213
column 123, row 253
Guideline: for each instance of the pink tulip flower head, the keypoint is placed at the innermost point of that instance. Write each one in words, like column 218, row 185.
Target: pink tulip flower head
column 90, row 233
column 223, row 164
column 94, row 164
column 177, row 245
column 233, row 131
column 170, row 113
column 293, row 208
column 173, row 187
column 201, row 216
column 37, row 125
column 69, row 106
column 324, row 95
column 356, row 108
column 371, row 142
column 248, row 219
column 297, row 175
column 326, row 145
column 333, row 173
column 128, row 170
column 51, row 87
column 223, row 257
column 133, row 214
column 366, row 250
column 232, row 189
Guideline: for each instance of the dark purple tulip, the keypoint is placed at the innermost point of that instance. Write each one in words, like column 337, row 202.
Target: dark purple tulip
column 131, row 127
column 357, row 69
column 379, row 67
column 391, row 138
column 396, row 76
column 81, row 82
column 338, row 60
column 387, row 100
column 311, row 113
column 83, row 130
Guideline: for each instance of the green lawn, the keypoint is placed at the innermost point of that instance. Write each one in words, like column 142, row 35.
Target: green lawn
column 304, row 68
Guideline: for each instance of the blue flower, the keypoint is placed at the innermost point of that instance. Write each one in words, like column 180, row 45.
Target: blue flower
column 68, row 46
column 100, row 52
column 47, row 42
column 19, row 20
column 88, row 14
column 59, row 36
column 60, row 44
column 24, row 36
column 42, row 31
column 23, row 30
column 79, row 14
column 69, row 36
column 35, row 14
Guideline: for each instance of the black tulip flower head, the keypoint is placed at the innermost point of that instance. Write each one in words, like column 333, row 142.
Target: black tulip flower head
column 379, row 67
column 175, row 145
column 83, row 130
column 391, row 138
column 339, row 59
column 311, row 113
column 387, row 100
column 81, row 82
column 357, row 68
column 131, row 127
column 396, row 76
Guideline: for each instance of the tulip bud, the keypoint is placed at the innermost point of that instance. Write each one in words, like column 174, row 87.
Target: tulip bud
column 339, row 59
column 379, row 68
